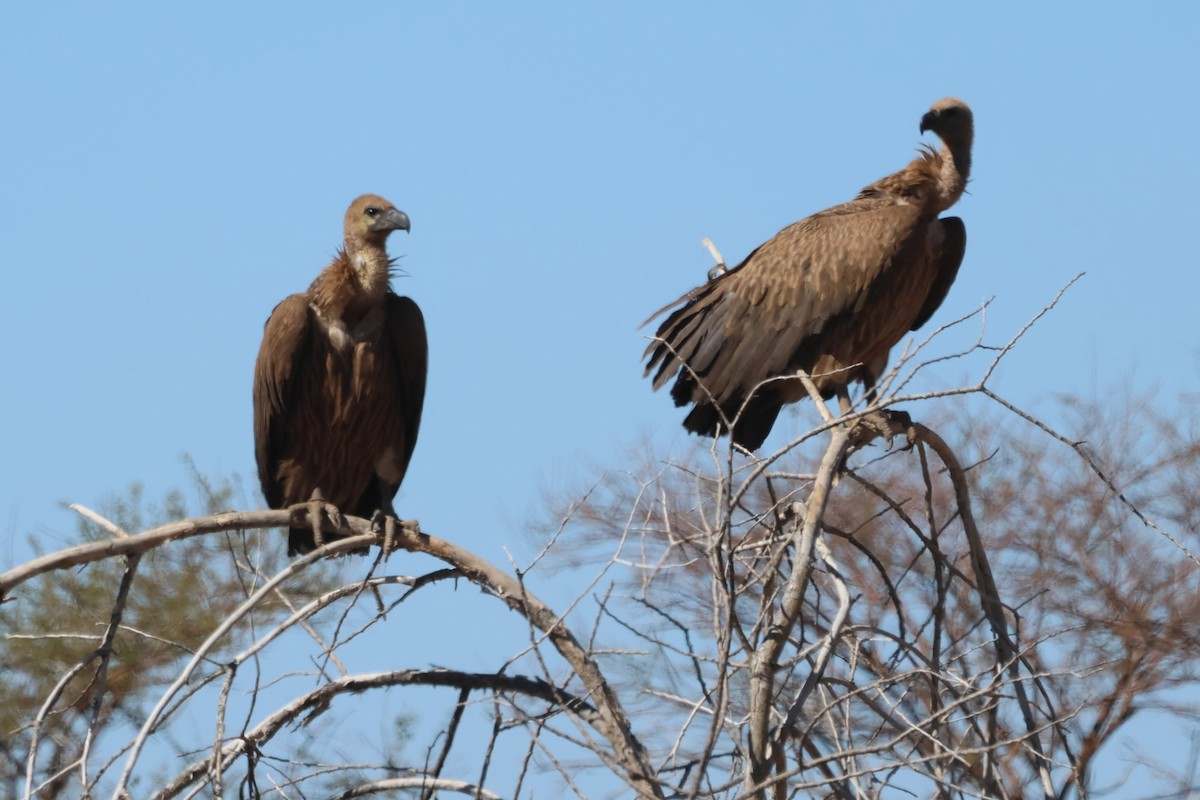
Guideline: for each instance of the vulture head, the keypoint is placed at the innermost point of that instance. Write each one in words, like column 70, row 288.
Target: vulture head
column 951, row 119
column 370, row 219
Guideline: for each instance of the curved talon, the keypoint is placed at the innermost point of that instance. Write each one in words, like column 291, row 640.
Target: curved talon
column 316, row 519
column 902, row 422
column 336, row 516
column 897, row 423
column 389, row 535
column 884, row 424
column 316, row 510
column 382, row 522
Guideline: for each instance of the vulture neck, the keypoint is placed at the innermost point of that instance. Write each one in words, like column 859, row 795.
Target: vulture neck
column 954, row 172
column 353, row 284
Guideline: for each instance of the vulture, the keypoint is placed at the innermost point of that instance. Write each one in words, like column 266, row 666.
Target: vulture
column 830, row 295
column 340, row 381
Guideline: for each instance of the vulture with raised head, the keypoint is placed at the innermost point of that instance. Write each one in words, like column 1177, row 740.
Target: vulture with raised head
column 830, row 294
column 340, row 381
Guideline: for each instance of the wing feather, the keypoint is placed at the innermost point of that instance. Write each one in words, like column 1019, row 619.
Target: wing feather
column 947, row 257
column 281, row 359
column 410, row 358
column 748, row 324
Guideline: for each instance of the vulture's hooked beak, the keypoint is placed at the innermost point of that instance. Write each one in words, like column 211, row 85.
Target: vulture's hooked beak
column 928, row 120
column 392, row 220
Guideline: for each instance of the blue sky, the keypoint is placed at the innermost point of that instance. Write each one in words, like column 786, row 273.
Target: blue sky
column 172, row 171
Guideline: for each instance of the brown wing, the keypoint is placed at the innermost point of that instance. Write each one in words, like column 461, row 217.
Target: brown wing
column 281, row 357
column 748, row 325
column 947, row 256
column 410, row 357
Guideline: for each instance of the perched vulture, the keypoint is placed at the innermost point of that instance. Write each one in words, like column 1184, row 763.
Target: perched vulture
column 829, row 294
column 340, row 381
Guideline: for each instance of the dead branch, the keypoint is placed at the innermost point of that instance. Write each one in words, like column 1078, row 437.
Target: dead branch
column 426, row 783
column 303, row 710
column 144, row 542
column 611, row 721
column 766, row 658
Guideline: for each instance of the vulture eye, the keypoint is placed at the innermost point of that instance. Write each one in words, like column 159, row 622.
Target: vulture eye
column 372, row 212
column 951, row 112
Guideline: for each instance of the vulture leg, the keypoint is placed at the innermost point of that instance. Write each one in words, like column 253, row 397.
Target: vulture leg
column 869, row 393
column 884, row 423
column 316, row 504
column 318, row 509
column 844, row 403
column 384, row 518
column 389, row 535
column 889, row 421
column 385, row 522
column 872, row 423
